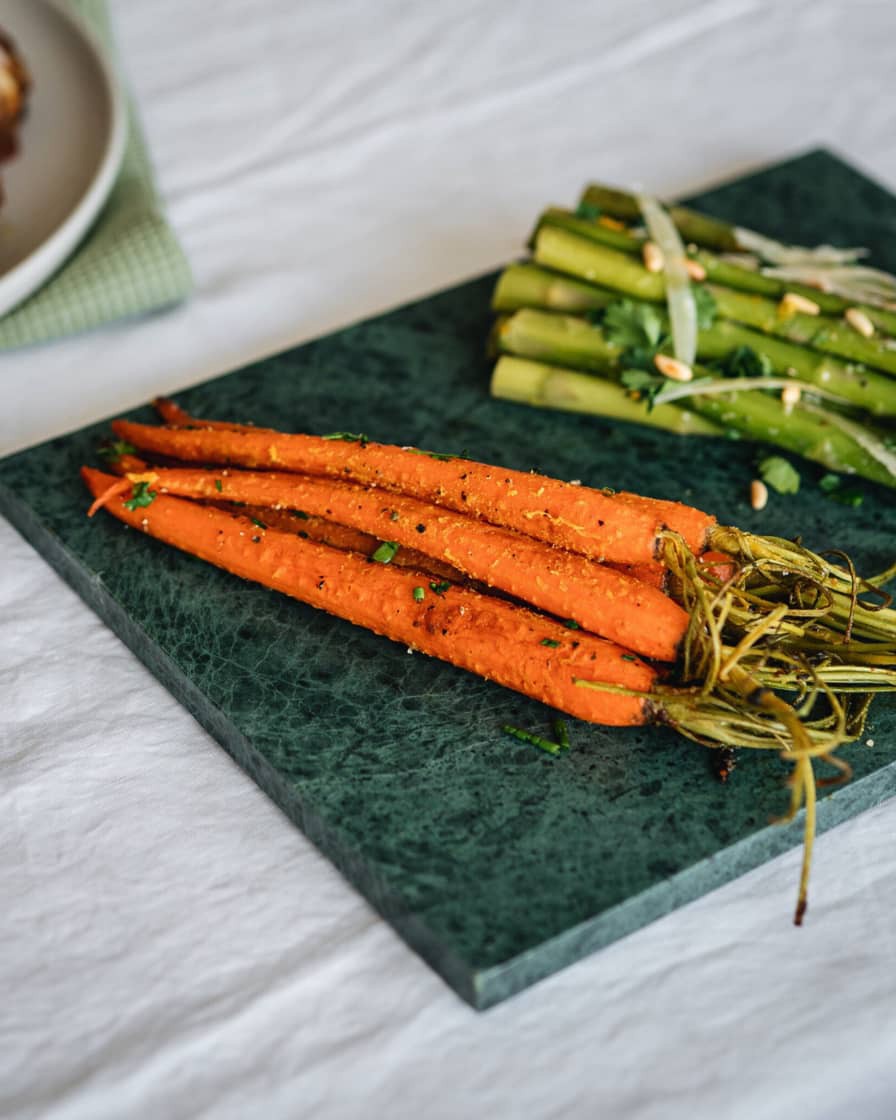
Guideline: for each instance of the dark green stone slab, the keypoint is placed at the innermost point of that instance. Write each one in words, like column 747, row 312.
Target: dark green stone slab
column 498, row 864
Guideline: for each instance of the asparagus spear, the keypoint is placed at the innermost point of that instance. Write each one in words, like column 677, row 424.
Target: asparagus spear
column 754, row 414
column 599, row 264
column 692, row 225
column 528, row 286
column 717, row 270
column 545, row 386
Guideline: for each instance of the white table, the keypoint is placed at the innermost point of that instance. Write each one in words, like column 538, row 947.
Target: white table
column 170, row 946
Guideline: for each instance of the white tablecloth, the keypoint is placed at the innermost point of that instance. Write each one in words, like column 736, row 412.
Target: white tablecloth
column 170, row 946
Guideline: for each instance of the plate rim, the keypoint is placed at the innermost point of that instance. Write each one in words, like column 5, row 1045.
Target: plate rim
column 24, row 278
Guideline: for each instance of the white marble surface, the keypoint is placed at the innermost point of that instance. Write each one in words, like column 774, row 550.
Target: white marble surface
column 170, row 946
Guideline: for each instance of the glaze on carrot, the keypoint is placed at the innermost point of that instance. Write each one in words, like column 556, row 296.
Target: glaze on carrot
column 569, row 585
column 619, row 528
column 498, row 640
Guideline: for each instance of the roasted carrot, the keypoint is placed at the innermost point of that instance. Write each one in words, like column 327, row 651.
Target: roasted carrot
column 651, row 572
column 619, row 528
column 692, row 524
column 501, row 641
column 323, row 531
column 595, row 597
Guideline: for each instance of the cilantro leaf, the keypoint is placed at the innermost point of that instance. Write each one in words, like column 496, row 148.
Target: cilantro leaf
column 631, row 325
column 707, row 309
column 645, row 384
column 832, row 487
column 117, row 449
column 744, row 361
column 778, row 473
column 141, row 496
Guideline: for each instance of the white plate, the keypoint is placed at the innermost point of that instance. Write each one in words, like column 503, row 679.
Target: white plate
column 70, row 146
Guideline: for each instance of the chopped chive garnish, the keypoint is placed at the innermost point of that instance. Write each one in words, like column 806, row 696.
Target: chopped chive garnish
column 117, row 449
column 349, row 437
column 562, row 733
column 419, row 594
column 260, row 524
column 571, row 624
column 219, row 485
column 385, row 552
column 432, row 454
column 440, row 588
column 552, row 642
column 629, row 657
column 141, row 495
column 300, row 514
column 535, row 740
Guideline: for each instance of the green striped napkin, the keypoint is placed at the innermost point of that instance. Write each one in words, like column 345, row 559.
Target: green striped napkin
column 129, row 263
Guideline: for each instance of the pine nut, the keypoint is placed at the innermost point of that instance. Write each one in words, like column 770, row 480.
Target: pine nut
column 695, row 269
column 758, row 494
column 673, row 368
column 791, row 303
column 653, row 257
column 790, row 395
column 859, row 321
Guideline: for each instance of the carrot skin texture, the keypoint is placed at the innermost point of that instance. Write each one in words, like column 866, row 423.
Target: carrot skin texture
column 351, row 540
column 619, row 528
column 485, row 635
column 597, row 597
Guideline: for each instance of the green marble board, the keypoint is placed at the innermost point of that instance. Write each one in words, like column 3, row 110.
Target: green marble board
column 496, row 863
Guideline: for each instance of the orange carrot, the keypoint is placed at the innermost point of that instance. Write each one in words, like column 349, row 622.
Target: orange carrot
column 604, row 526
column 593, row 596
column 320, row 529
column 651, row 572
column 498, row 640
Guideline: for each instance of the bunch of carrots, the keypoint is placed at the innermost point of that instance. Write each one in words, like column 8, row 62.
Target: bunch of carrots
column 614, row 608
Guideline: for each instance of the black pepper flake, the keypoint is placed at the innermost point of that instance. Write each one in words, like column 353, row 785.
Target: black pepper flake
column 421, row 528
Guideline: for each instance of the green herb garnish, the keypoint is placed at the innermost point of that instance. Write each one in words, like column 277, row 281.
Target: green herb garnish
column 535, row 740
column 419, row 594
column 633, row 326
column 778, row 473
column 706, row 305
column 117, row 449
column 744, row 361
column 571, row 624
column 385, row 552
column 562, row 733
column 219, row 485
column 141, row 496
column 629, row 657
column 646, row 385
column 349, row 437
column 260, row 524
column 832, row 487
column 440, row 588
column 552, row 642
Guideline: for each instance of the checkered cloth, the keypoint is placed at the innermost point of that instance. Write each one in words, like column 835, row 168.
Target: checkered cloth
column 129, row 263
